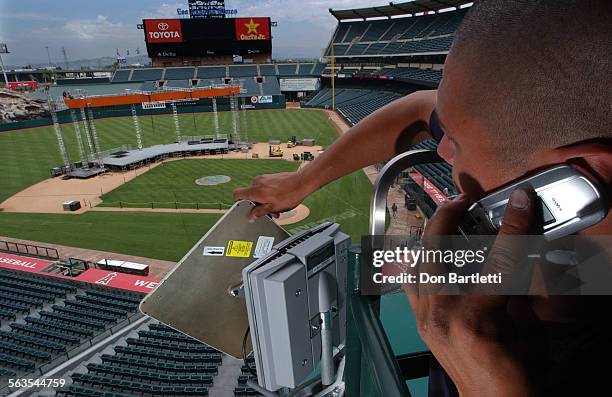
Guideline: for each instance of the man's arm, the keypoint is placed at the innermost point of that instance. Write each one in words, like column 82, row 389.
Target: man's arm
column 380, row 136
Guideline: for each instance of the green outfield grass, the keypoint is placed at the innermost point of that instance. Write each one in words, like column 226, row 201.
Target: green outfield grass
column 151, row 235
column 169, row 236
column 346, row 201
column 172, row 184
column 27, row 156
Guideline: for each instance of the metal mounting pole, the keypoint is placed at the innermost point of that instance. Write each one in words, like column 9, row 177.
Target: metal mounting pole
column 235, row 126
column 77, row 133
column 3, row 71
column 244, row 122
column 58, row 135
column 94, row 134
column 137, row 128
column 177, row 125
column 87, row 133
column 215, row 116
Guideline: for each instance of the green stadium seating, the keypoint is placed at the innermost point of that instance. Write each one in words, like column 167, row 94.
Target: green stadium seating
column 27, row 294
column 78, row 321
column 148, row 375
column 7, row 315
column 15, row 362
column 12, row 348
column 32, row 340
column 164, row 354
column 171, row 345
column 115, row 295
column 57, row 325
column 160, row 365
column 7, row 373
column 88, row 314
column 45, row 333
column 90, row 307
column 130, row 307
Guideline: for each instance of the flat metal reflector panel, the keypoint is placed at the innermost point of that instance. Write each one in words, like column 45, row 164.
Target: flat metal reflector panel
column 195, row 297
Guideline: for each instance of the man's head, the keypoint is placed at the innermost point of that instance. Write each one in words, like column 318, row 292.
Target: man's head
column 525, row 82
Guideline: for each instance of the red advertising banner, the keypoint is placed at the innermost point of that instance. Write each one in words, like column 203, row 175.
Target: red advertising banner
column 118, row 280
column 432, row 191
column 163, row 31
column 92, row 276
column 252, row 29
column 16, row 262
column 15, row 85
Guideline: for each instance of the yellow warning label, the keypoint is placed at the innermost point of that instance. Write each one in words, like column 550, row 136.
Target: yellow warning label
column 240, row 249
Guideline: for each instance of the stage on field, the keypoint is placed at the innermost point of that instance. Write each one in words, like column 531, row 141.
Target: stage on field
column 125, row 159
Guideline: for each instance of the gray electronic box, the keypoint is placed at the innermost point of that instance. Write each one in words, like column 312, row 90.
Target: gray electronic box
column 286, row 293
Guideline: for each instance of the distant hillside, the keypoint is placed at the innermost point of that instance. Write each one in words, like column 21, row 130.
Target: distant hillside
column 97, row 63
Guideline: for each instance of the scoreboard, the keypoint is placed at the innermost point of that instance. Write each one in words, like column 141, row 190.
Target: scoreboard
column 207, row 37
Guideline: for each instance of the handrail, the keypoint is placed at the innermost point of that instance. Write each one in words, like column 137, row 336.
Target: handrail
column 386, row 177
column 372, row 368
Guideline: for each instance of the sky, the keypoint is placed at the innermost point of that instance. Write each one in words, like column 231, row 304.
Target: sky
column 91, row 29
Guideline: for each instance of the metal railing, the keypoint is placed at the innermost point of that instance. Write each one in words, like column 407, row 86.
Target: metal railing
column 372, row 369
column 168, row 205
column 29, row 249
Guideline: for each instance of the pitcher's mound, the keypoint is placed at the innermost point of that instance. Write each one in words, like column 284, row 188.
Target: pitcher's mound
column 213, row 180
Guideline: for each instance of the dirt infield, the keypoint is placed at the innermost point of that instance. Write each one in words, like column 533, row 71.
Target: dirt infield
column 47, row 196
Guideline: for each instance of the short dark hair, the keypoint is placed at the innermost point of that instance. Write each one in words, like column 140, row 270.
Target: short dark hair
column 538, row 71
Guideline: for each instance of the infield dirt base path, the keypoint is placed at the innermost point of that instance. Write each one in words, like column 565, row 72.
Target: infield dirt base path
column 47, row 196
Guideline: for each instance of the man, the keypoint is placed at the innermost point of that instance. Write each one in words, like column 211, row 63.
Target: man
column 525, row 87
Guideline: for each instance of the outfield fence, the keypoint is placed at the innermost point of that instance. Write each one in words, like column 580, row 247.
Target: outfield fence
column 168, row 204
column 203, row 105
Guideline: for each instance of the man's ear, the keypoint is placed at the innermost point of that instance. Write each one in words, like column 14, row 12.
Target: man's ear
column 594, row 159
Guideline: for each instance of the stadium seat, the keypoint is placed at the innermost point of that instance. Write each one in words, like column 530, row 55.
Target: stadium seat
column 179, row 73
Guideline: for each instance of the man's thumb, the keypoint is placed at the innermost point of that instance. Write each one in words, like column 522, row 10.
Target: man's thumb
column 520, row 212
column 518, row 220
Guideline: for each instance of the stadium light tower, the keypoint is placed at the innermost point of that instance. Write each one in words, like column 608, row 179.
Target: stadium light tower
column 48, row 55
column 3, row 50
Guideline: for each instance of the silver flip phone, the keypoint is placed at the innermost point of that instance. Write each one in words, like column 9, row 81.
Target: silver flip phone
column 570, row 202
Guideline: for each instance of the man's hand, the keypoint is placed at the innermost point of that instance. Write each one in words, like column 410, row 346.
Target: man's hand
column 473, row 336
column 274, row 193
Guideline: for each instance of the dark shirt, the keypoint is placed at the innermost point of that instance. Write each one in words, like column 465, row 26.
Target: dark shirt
column 575, row 363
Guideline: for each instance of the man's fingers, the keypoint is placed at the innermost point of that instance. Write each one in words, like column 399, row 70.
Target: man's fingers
column 446, row 219
column 443, row 223
column 509, row 247
column 241, row 193
column 247, row 193
column 259, row 211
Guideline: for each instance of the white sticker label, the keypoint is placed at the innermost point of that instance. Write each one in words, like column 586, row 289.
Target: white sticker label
column 263, row 247
column 213, row 251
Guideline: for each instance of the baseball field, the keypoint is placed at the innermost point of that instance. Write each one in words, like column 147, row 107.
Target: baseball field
column 26, row 157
